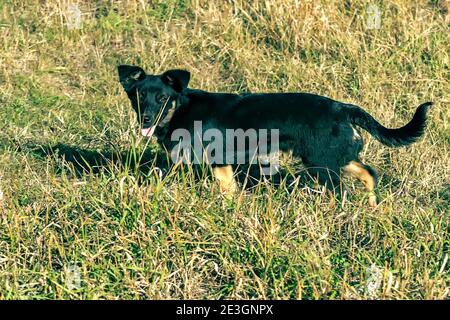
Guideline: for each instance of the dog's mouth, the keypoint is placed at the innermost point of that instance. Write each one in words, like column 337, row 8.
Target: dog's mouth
column 148, row 132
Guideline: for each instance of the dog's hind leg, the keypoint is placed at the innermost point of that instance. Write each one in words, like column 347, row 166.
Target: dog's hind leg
column 225, row 176
column 329, row 178
column 366, row 175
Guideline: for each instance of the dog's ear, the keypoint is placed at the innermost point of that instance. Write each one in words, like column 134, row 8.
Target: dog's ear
column 177, row 79
column 129, row 75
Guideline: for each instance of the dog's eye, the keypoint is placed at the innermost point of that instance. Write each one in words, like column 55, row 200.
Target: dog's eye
column 161, row 98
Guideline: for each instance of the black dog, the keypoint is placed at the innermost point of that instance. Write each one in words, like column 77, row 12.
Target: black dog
column 318, row 130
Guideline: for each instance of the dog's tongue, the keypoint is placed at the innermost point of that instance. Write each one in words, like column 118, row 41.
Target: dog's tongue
column 148, row 132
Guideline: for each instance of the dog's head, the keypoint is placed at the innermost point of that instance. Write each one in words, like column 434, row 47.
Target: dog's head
column 153, row 97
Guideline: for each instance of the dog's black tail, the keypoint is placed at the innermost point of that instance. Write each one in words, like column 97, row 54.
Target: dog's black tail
column 403, row 136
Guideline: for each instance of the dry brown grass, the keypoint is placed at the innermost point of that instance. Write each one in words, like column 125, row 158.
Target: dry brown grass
column 132, row 235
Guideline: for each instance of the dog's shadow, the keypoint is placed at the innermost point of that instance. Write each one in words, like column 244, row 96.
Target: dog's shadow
column 84, row 161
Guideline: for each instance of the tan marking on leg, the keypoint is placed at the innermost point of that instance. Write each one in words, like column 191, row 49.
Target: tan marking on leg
column 358, row 170
column 225, row 176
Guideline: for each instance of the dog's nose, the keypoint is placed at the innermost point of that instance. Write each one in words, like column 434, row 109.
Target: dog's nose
column 146, row 119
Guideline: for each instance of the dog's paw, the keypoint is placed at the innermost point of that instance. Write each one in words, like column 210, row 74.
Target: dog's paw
column 372, row 200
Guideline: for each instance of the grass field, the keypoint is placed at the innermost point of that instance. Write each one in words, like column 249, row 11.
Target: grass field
column 84, row 214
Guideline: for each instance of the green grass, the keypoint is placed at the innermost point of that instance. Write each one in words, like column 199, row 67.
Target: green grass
column 79, row 190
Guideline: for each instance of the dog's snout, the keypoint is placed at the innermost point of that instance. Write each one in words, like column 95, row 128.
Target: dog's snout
column 146, row 119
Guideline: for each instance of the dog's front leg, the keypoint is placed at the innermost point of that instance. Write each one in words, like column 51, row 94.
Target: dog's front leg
column 225, row 176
